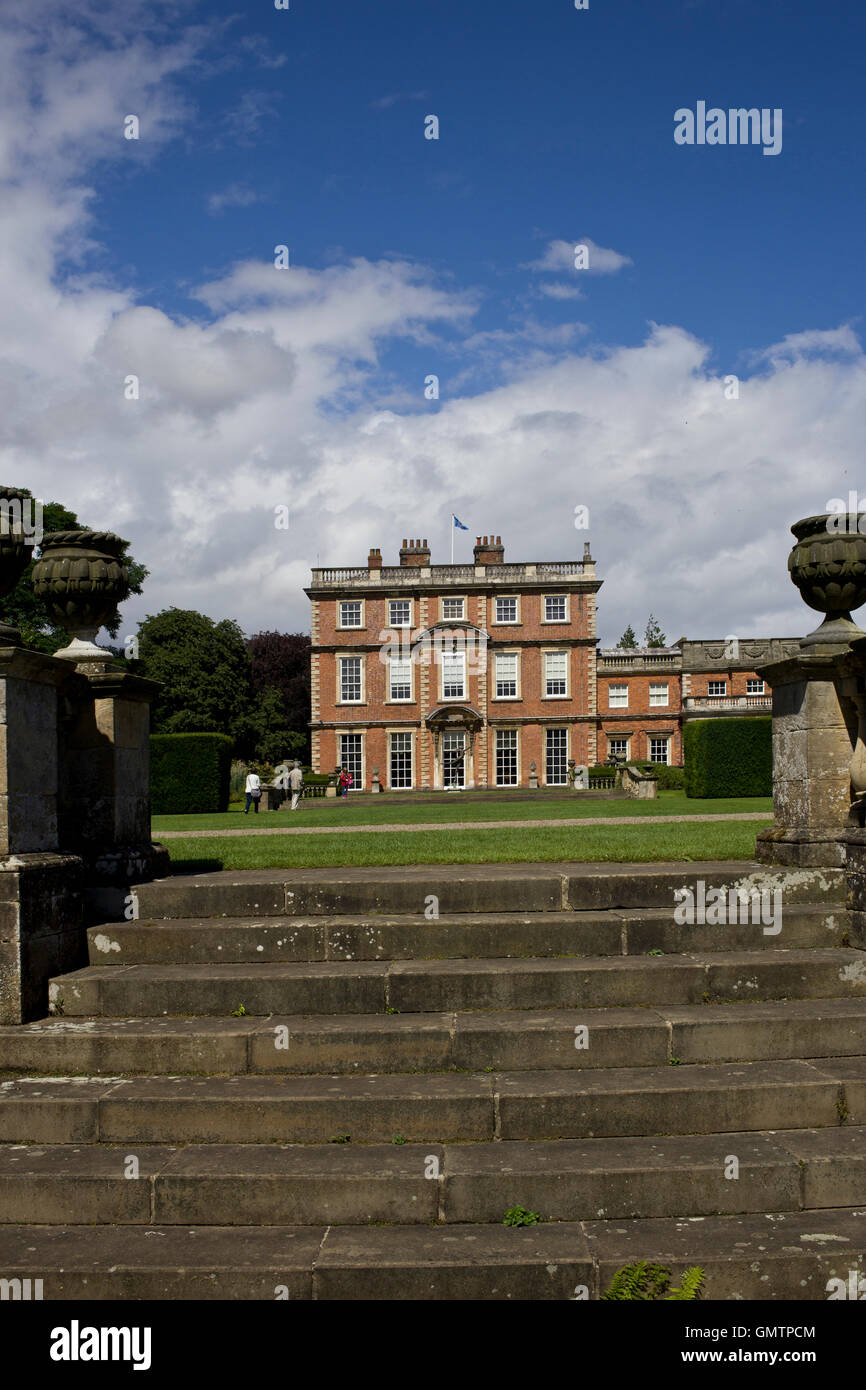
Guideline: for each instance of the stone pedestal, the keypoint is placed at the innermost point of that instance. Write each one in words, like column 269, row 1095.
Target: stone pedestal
column 104, row 807
column 41, row 913
column 814, row 733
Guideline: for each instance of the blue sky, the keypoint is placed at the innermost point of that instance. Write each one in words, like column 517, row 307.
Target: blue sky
column 452, row 256
column 554, row 124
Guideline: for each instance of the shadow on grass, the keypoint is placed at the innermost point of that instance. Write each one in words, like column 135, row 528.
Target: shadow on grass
column 195, row 866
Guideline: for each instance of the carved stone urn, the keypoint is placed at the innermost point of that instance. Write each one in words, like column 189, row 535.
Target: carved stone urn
column 81, row 579
column 828, row 566
column 16, row 551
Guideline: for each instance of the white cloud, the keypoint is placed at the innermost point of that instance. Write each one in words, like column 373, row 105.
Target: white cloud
column 560, row 255
column 237, row 195
column 812, row 343
column 557, row 289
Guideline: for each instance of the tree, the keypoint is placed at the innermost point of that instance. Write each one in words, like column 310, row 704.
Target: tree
column 204, row 668
column 24, row 610
column 280, row 663
column 628, row 639
column 654, row 635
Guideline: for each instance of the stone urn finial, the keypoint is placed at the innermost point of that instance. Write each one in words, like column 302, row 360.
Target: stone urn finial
column 81, row 578
column 828, row 566
column 16, row 552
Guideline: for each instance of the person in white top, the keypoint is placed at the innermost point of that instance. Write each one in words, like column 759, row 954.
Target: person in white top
column 253, row 792
column 296, row 782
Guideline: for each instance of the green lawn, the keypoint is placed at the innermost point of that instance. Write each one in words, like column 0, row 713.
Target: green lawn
column 625, row 843
column 389, row 809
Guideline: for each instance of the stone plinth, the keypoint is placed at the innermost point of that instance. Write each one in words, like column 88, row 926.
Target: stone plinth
column 641, row 785
column 29, row 683
column 41, row 921
column 42, row 929
column 814, row 733
column 104, row 809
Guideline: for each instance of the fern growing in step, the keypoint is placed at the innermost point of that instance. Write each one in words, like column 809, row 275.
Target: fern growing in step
column 690, row 1286
column 650, row 1283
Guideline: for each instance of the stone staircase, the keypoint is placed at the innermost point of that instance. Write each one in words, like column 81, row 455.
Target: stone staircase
column 305, row 1084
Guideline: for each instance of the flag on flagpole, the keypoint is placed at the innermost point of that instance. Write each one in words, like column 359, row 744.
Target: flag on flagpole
column 455, row 523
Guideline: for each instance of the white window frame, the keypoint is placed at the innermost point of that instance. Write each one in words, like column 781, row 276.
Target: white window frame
column 611, row 704
column 656, row 703
column 459, row 655
column 399, row 626
column 756, row 680
column 360, row 782
column 549, row 729
column 618, row 738
column 659, row 738
column 400, row 699
column 560, row 598
column 506, row 622
column 516, row 735
column 452, row 617
column 516, row 658
column 351, row 656
column 717, row 693
column 403, row 733
column 545, row 656
column 351, row 627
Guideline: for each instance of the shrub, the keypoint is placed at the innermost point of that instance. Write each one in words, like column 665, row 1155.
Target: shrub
column 728, row 757
column 189, row 773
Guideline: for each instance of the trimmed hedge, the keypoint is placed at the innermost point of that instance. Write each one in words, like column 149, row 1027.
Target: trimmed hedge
column 728, row 757
column 189, row 773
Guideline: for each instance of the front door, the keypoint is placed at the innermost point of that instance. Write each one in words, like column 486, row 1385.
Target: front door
column 454, row 759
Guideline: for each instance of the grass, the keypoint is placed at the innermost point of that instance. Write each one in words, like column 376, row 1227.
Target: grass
column 389, row 810
column 601, row 843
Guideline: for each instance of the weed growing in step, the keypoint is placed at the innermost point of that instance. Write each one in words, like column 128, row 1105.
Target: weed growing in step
column 398, row 1139
column 674, row 1062
column 340, row 1139
column 521, row 1216
column 655, row 952
column 392, row 1011
column 239, row 1012
column 842, row 1108
column 651, row 1283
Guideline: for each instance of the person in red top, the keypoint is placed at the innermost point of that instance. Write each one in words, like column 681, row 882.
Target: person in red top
column 346, row 781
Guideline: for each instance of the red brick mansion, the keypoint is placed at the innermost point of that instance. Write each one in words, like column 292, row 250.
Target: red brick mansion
column 489, row 674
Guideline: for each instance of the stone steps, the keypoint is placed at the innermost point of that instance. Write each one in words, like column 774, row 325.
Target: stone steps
column 301, row 1185
column 623, row 932
column 352, row 987
column 435, row 1107
column 467, row 888
column 327, row 1093
column 517, row 1040
column 766, row 1256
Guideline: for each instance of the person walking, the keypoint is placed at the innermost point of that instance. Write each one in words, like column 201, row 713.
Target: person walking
column 296, row 783
column 253, row 791
column 346, row 780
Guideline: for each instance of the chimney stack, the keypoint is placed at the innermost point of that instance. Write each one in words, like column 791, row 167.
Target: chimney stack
column 374, row 560
column 489, row 550
column 414, row 554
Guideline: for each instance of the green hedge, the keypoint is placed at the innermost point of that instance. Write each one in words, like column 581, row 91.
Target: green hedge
column 728, row 757
column 189, row 773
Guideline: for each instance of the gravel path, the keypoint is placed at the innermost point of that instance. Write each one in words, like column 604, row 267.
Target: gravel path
column 392, row 829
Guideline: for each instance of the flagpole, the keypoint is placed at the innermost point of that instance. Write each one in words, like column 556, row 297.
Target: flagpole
column 452, row 538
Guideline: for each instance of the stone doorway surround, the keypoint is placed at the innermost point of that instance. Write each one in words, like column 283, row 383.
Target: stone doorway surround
column 454, row 718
